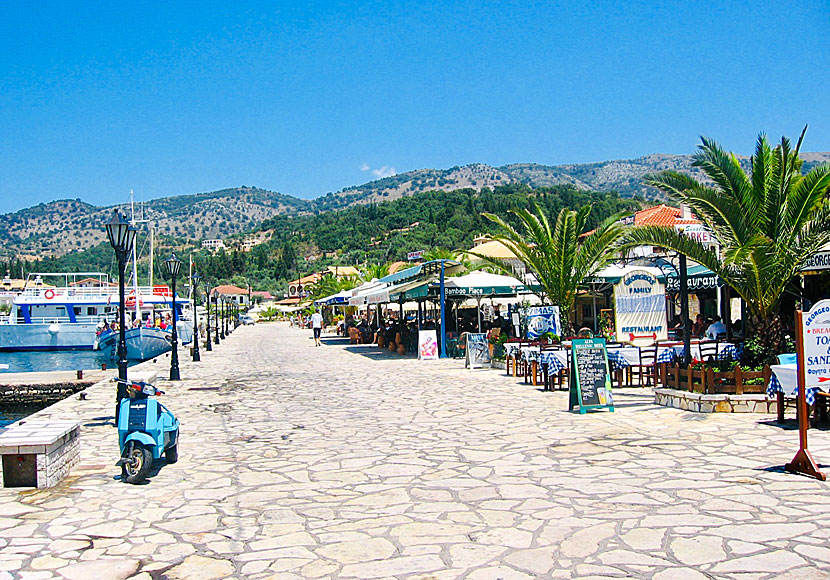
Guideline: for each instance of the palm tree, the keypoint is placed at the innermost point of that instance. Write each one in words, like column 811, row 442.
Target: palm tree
column 455, row 255
column 560, row 257
column 767, row 223
column 372, row 271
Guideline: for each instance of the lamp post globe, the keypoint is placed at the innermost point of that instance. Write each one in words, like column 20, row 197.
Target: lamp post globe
column 195, row 278
column 173, row 266
column 121, row 236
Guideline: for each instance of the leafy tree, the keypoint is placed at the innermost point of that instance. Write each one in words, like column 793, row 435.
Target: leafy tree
column 767, row 224
column 560, row 257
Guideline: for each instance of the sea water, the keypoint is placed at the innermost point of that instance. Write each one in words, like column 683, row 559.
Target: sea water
column 42, row 361
column 62, row 360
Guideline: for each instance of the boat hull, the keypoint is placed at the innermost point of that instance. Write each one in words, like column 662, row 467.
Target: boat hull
column 55, row 336
column 143, row 343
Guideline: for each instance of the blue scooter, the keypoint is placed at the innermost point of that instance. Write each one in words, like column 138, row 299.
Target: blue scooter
column 146, row 429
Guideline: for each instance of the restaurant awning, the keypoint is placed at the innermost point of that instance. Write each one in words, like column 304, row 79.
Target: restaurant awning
column 698, row 277
column 359, row 294
column 339, row 299
column 480, row 283
column 423, row 271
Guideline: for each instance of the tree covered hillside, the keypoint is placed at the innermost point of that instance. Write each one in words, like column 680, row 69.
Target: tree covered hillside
column 363, row 234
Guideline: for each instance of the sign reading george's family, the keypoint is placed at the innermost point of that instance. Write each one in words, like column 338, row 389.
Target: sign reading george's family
column 640, row 308
column 817, row 345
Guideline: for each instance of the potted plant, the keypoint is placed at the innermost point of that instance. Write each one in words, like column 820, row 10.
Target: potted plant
column 549, row 338
column 496, row 345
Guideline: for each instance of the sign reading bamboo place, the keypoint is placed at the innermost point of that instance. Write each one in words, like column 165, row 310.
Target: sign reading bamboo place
column 590, row 380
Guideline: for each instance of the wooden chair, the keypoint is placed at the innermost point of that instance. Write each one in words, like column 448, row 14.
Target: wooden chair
column 647, row 366
column 708, row 350
column 617, row 373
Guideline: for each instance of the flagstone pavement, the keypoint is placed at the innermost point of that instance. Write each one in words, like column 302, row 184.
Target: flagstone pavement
column 344, row 462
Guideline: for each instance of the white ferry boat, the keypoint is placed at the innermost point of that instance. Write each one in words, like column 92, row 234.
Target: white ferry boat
column 62, row 311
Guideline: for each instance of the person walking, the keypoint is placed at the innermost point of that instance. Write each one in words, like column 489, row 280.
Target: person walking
column 317, row 326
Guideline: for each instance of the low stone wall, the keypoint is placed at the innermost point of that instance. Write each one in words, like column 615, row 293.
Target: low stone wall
column 700, row 403
column 53, row 445
column 497, row 364
column 40, row 394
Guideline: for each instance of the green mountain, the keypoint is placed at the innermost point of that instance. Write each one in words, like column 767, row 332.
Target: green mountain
column 63, row 226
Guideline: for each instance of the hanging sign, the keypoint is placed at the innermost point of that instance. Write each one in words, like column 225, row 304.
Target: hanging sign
column 694, row 283
column 818, row 261
column 542, row 319
column 590, row 380
column 478, row 353
column 640, row 309
column 427, row 345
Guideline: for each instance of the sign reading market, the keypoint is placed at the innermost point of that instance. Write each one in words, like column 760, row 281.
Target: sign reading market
column 640, row 308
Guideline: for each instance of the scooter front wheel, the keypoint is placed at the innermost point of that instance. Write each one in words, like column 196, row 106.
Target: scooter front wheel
column 171, row 454
column 137, row 463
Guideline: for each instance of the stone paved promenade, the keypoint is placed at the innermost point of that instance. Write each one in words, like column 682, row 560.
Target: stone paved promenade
column 338, row 462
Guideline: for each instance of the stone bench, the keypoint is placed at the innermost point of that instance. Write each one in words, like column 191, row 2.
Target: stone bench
column 39, row 453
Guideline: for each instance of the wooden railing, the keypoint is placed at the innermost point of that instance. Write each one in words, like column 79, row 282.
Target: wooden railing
column 708, row 381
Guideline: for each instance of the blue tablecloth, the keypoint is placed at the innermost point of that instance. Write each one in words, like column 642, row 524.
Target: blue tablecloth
column 511, row 349
column 618, row 358
column 553, row 360
column 784, row 380
column 621, row 358
column 726, row 351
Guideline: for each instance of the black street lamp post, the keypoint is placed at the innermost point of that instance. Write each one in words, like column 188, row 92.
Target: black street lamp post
column 209, row 343
column 122, row 237
column 225, row 316
column 194, row 283
column 173, row 267
column 220, row 316
column 216, row 327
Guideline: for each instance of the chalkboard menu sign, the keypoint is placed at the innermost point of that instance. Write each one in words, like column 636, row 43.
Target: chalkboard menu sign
column 590, row 381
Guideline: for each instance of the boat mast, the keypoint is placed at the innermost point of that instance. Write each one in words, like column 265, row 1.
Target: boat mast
column 135, row 262
column 152, row 237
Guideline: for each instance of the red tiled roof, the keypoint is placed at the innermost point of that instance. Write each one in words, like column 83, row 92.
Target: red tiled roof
column 295, row 300
column 226, row 289
column 263, row 294
column 662, row 215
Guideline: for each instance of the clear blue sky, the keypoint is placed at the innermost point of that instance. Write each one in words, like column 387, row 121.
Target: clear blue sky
column 182, row 97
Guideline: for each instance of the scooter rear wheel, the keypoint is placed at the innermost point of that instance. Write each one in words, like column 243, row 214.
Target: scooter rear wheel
column 139, row 460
